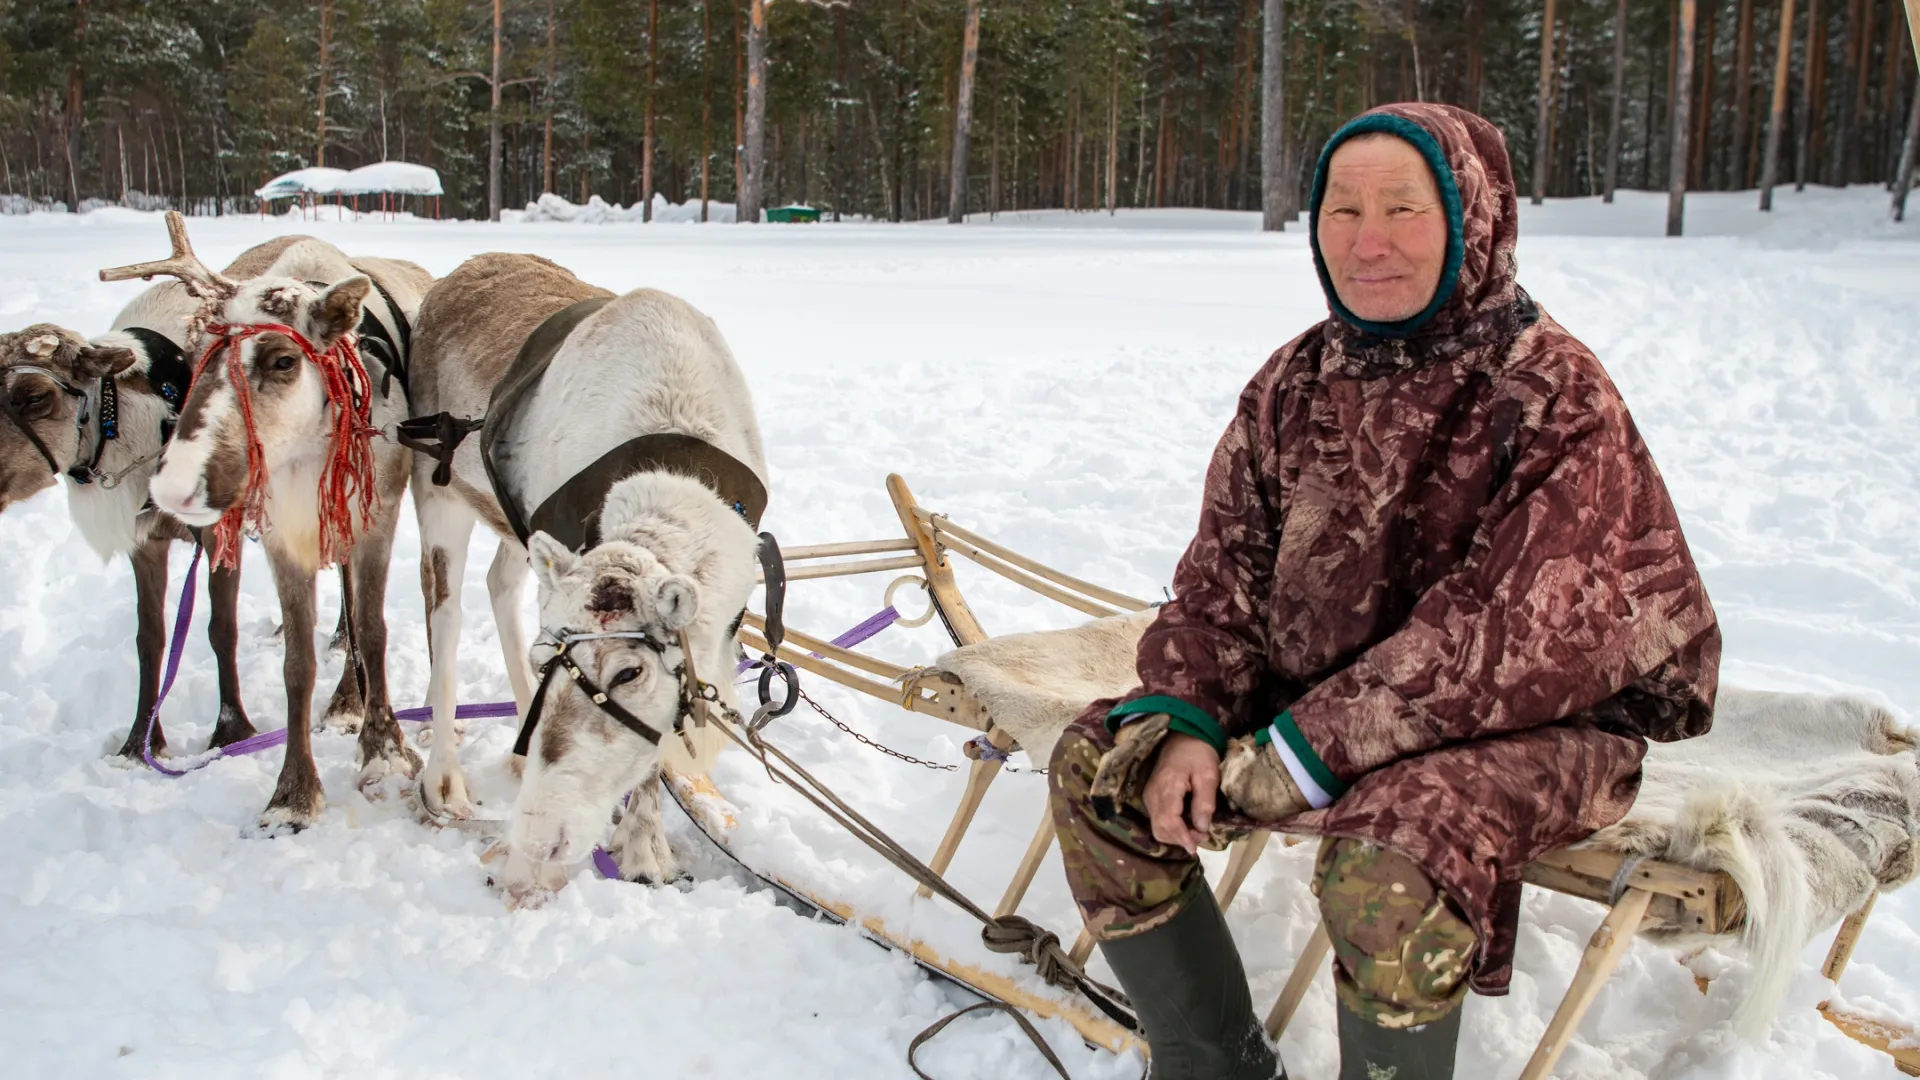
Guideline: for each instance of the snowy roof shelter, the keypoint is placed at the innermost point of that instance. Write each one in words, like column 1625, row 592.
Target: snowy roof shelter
column 315, row 181
column 380, row 178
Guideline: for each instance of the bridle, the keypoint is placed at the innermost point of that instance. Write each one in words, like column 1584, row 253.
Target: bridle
column 80, row 421
column 695, row 694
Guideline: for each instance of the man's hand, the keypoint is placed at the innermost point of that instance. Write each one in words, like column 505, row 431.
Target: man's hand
column 1187, row 767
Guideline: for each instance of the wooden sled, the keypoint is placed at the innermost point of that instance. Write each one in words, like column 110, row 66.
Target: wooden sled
column 1650, row 895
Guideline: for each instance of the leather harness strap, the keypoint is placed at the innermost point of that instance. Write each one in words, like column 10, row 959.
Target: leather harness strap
column 571, row 514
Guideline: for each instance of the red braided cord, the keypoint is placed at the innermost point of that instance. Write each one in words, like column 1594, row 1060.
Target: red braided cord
column 349, row 470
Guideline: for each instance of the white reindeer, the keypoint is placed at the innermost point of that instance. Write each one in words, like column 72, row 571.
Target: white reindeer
column 674, row 563
column 274, row 336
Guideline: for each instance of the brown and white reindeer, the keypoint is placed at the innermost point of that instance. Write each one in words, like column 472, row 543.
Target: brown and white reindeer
column 96, row 413
column 639, row 396
column 281, row 436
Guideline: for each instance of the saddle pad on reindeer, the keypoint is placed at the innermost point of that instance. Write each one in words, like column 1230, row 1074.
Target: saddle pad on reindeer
column 572, row 514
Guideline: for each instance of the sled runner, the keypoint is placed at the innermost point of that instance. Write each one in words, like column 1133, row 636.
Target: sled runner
column 1018, row 692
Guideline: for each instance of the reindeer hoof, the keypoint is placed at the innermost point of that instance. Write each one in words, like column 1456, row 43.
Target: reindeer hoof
column 344, row 721
column 444, row 796
column 517, row 764
column 287, row 820
column 381, row 775
column 232, row 727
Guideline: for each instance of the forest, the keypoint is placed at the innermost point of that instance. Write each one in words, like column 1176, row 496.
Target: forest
column 1074, row 104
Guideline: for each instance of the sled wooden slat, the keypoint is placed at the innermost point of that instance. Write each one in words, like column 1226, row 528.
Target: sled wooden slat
column 1844, row 942
column 1021, row 578
column 1312, row 959
column 1037, row 849
column 797, row 641
column 849, row 569
column 979, row 776
column 1890, row 1039
column 835, row 551
column 1608, row 944
column 964, row 628
column 1242, row 855
column 1085, row 588
column 1684, row 898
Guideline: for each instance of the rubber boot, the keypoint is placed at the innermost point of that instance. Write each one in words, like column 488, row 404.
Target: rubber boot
column 1191, row 995
column 1371, row 1052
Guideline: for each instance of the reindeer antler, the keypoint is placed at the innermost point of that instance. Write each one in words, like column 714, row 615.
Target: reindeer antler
column 183, row 264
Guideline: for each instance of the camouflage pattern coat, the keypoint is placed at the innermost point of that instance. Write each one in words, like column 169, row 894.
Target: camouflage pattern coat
column 1445, row 569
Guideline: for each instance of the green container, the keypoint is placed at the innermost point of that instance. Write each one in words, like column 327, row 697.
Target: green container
column 791, row 214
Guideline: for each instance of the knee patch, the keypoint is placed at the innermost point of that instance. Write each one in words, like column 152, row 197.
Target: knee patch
column 1402, row 953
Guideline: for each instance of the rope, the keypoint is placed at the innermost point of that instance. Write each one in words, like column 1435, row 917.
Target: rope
column 1622, row 876
column 1003, row 933
column 1026, row 1025
column 348, row 475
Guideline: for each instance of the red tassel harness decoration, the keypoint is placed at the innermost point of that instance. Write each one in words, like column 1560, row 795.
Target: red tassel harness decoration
column 348, row 474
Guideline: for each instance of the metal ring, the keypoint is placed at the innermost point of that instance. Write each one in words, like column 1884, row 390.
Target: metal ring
column 924, row 617
column 788, row 676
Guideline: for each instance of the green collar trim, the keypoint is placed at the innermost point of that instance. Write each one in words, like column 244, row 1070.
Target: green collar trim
column 1423, row 141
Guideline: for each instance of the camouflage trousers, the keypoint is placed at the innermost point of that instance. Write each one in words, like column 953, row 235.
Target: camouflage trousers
column 1402, row 950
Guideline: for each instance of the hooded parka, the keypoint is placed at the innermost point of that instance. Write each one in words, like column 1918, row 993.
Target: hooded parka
column 1436, row 562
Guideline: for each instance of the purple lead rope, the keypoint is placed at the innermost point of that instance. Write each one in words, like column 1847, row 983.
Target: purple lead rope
column 253, row 744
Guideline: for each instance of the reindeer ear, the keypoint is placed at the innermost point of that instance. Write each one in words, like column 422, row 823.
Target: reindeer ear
column 552, row 560
column 676, row 602
column 98, row 361
column 339, row 309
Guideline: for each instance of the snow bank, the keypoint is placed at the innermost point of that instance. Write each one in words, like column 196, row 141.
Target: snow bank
column 597, row 211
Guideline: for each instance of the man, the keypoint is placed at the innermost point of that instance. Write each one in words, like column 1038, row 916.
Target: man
column 1437, row 602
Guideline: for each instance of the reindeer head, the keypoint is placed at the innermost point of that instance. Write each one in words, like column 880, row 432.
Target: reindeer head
column 46, row 397
column 264, row 364
column 582, row 759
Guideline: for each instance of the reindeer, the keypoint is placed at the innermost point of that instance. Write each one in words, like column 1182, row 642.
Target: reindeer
column 58, row 389
column 658, row 589
column 280, row 435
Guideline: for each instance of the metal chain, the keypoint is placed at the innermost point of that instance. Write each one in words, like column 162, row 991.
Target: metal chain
column 862, row 739
column 890, row 751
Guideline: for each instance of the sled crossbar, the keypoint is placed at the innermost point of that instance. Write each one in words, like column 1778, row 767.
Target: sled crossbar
column 1650, row 895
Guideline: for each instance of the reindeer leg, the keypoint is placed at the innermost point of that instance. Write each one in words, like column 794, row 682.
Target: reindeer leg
column 506, row 580
column 639, row 845
column 383, row 748
column 446, row 524
column 223, row 633
column 298, row 798
column 345, row 709
column 341, row 640
column 150, row 639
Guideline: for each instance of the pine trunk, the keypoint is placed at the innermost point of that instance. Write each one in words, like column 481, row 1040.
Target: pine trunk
column 1542, row 136
column 754, row 148
column 646, row 138
column 493, row 126
column 1777, row 118
column 963, row 115
column 1809, row 75
column 1276, row 194
column 1683, row 82
column 1619, row 96
column 1739, row 175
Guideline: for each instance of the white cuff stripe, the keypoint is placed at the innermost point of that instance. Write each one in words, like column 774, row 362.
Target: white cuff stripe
column 1317, row 796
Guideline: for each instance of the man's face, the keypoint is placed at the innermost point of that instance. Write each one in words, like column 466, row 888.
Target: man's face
column 1383, row 230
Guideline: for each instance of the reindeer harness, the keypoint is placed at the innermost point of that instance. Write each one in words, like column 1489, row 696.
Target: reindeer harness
column 168, row 374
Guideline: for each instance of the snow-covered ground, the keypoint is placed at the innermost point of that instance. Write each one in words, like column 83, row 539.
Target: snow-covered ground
column 1054, row 380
